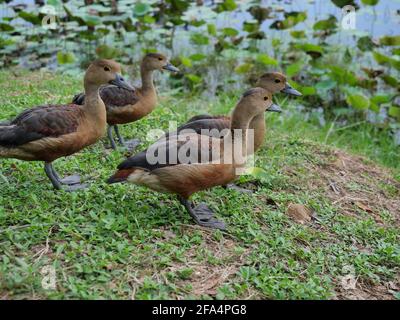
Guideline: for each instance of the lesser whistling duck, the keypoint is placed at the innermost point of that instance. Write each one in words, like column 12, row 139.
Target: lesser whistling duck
column 48, row 132
column 124, row 106
column 185, row 175
column 273, row 82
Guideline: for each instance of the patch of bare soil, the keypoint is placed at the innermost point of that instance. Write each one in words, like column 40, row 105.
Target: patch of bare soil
column 206, row 275
column 356, row 185
column 367, row 291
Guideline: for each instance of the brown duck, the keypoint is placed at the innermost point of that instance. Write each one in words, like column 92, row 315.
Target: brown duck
column 125, row 106
column 48, row 132
column 188, row 174
column 273, row 82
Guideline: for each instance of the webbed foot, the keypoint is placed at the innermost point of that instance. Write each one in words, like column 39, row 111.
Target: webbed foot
column 203, row 215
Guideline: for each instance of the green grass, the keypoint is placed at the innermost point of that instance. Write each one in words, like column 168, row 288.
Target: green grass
column 125, row 241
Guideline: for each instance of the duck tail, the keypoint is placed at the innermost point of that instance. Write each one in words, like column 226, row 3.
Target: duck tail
column 79, row 99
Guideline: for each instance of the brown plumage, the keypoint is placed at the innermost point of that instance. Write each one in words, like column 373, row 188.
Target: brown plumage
column 199, row 170
column 272, row 81
column 125, row 106
column 48, row 132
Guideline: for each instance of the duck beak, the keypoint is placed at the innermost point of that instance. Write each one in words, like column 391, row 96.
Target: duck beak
column 119, row 81
column 274, row 108
column 170, row 67
column 289, row 90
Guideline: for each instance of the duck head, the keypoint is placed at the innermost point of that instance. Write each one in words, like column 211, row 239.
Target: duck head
column 258, row 100
column 103, row 71
column 157, row 61
column 276, row 82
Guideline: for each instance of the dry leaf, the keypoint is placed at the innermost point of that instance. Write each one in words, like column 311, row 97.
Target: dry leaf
column 363, row 207
column 299, row 213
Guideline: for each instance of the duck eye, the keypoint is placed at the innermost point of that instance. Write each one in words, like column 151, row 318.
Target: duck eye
column 265, row 98
column 277, row 80
column 160, row 59
column 107, row 69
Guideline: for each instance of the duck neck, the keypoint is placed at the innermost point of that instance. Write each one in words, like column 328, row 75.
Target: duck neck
column 94, row 106
column 147, row 78
column 258, row 125
column 239, row 131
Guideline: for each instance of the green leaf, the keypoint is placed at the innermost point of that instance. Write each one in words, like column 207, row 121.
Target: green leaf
column 294, row 68
column 382, row 59
column 394, row 112
column 328, row 24
column 298, row 34
column 193, row 78
column 244, row 68
column 228, row 5
column 267, row 60
column 365, row 43
column 291, row 19
column 358, row 101
column 390, row 41
column 54, row 3
column 325, row 85
column 342, row 3
column 30, row 17
column 391, row 81
column 65, row 57
column 212, row 29
column 6, row 27
column 343, row 76
column 251, row 27
column 259, row 173
column 396, row 51
column 91, row 20
column 307, row 91
column 199, row 39
column 309, row 47
column 230, row 32
column 106, row 52
column 140, row 9
column 149, row 19
column 186, row 61
column 370, row 2
column 197, row 57
column 381, row 98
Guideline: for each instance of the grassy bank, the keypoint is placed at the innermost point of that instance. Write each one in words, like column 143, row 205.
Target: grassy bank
column 124, row 241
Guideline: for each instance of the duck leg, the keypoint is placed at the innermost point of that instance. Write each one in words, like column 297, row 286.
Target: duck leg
column 111, row 138
column 120, row 138
column 48, row 168
column 70, row 180
column 130, row 144
column 202, row 214
column 57, row 182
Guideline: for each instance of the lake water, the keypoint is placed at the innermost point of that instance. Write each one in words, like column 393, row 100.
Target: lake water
column 378, row 20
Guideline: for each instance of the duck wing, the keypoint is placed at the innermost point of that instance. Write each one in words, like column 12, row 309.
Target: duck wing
column 40, row 122
column 202, row 125
column 206, row 116
column 193, row 147
column 211, row 127
column 112, row 96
